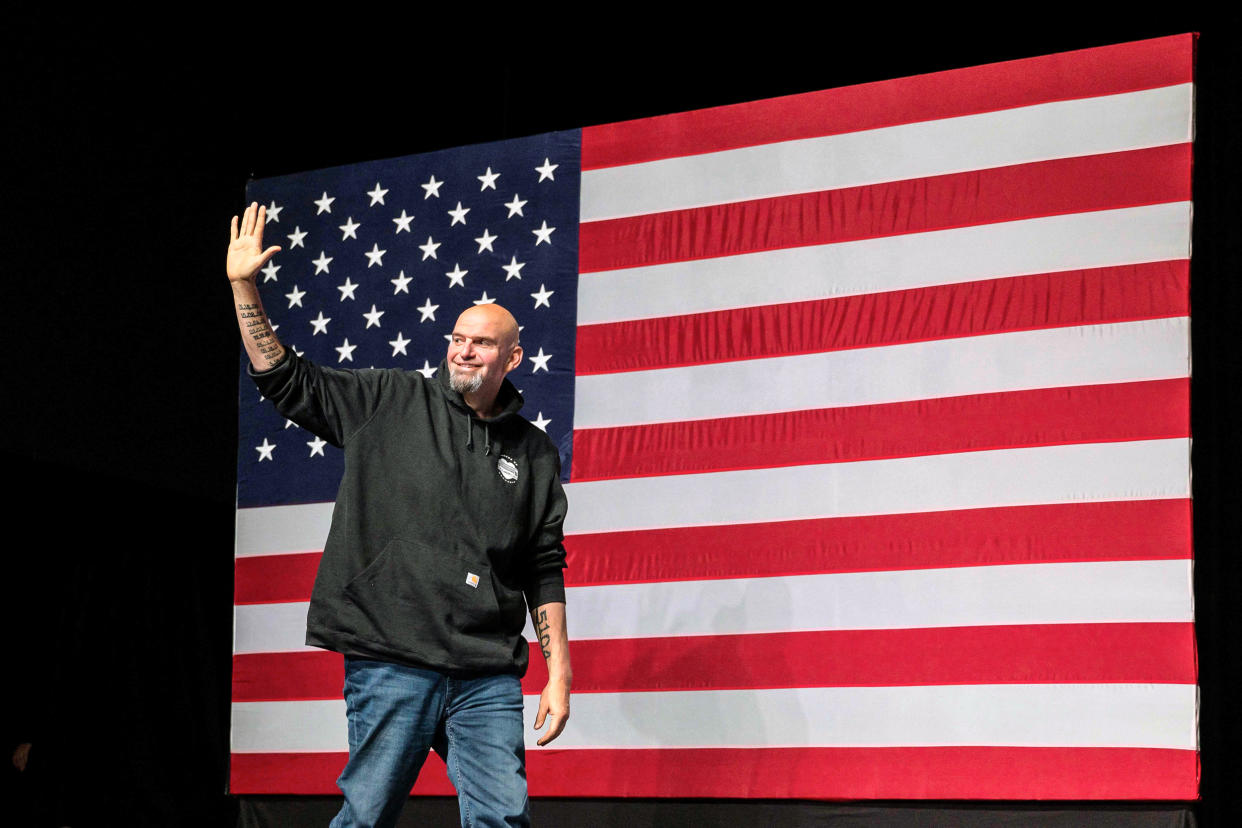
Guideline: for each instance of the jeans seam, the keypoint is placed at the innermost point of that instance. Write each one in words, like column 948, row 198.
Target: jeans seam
column 463, row 798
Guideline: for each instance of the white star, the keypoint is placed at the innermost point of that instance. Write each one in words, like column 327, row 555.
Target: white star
column 485, row 241
column 457, row 276
column 376, row 255
column 401, row 281
column 432, row 187
column 347, row 229
column 543, row 234
column 427, row 371
column 324, row 203
column 398, row 344
column 347, row 289
column 403, row 222
column 346, row 351
column 541, row 361
column 373, row 317
column 541, row 298
column 273, row 213
column 295, row 238
column 295, row 298
column 428, row 310
column 377, row 195
column 459, row 215
column 320, row 324
column 265, row 450
column 316, row 446
column 513, row 270
column 429, row 249
column 540, row 423
column 269, row 272
column 546, row 170
column 489, row 179
column 290, row 424
column 515, row 206
column 484, row 300
column 321, row 264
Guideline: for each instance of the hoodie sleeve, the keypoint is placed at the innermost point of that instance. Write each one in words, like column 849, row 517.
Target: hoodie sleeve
column 328, row 402
column 546, row 582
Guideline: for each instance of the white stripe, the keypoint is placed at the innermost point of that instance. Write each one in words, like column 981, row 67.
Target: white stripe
column 1066, row 593
column 1061, row 593
column 1102, row 238
column 1062, row 129
column 1015, row 361
column 269, row 530
column 1031, row 715
column 1138, row 470
column 270, row 628
column 969, row 480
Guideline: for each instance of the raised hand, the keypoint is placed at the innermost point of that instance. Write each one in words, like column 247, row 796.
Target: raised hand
column 246, row 253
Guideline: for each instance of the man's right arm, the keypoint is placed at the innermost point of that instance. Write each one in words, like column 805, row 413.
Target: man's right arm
column 328, row 402
column 246, row 256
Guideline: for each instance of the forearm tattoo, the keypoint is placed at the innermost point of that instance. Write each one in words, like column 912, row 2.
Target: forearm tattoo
column 257, row 327
column 544, row 630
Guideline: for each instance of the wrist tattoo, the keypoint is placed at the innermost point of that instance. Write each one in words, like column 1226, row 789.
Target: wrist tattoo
column 543, row 630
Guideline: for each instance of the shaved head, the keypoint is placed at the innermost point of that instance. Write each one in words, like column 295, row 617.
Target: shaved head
column 501, row 321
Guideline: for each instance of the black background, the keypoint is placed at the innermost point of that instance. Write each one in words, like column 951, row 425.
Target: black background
column 129, row 141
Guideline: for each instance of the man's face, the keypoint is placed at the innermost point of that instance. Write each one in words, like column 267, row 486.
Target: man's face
column 483, row 349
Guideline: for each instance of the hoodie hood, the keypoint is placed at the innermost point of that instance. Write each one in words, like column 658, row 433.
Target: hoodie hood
column 508, row 398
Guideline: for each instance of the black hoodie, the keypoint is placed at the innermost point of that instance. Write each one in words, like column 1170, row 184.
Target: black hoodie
column 442, row 523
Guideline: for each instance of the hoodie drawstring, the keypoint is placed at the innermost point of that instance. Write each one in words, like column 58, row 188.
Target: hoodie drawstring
column 487, row 436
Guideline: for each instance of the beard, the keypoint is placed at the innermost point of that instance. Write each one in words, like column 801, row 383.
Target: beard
column 464, row 383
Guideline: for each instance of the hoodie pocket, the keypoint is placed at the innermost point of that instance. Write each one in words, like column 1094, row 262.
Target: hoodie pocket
column 413, row 596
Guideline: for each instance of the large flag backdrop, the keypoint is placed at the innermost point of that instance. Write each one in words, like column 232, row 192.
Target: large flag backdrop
column 874, row 406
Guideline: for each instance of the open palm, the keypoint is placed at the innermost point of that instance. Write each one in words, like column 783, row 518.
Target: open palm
column 246, row 253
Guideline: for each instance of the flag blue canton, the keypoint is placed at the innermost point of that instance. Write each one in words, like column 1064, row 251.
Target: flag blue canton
column 378, row 259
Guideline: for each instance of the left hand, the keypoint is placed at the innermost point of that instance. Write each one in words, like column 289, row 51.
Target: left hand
column 553, row 704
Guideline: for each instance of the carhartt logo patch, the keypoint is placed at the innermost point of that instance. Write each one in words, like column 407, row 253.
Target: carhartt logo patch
column 508, row 468
column 472, row 579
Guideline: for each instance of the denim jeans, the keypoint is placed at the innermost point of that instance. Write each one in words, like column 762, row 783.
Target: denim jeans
column 396, row 713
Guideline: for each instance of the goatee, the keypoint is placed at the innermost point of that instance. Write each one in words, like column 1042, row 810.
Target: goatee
column 464, row 383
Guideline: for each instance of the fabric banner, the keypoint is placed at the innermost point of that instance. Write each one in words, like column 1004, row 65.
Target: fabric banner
column 873, row 406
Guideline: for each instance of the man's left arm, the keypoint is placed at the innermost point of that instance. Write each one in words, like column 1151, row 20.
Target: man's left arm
column 549, row 621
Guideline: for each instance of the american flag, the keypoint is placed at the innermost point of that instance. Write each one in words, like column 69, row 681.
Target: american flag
column 874, row 405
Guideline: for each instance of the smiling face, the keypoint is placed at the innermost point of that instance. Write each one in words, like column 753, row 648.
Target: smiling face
column 483, row 349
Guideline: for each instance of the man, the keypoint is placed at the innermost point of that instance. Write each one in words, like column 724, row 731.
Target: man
column 446, row 527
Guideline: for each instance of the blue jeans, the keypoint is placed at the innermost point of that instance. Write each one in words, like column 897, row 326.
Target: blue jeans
column 396, row 713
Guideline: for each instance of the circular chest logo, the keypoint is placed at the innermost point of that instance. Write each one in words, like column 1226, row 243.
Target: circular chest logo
column 508, row 468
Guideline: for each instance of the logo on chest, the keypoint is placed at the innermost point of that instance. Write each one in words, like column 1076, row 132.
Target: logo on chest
column 508, row 469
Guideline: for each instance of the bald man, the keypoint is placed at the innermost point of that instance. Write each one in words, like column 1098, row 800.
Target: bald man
column 447, row 529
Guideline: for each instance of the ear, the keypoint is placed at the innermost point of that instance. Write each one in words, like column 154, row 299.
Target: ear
column 515, row 358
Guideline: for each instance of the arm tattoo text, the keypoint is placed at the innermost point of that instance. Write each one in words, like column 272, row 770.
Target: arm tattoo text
column 543, row 630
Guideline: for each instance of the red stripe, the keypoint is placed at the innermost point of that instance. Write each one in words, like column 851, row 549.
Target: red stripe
column 1023, row 191
column 1109, row 70
column 1109, row 531
column 270, row 579
column 811, row 773
column 1150, row 410
column 1042, row 300
column 1023, row 654
column 1116, row 530
column 1018, row 654
column 316, row 773
column 288, row 676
